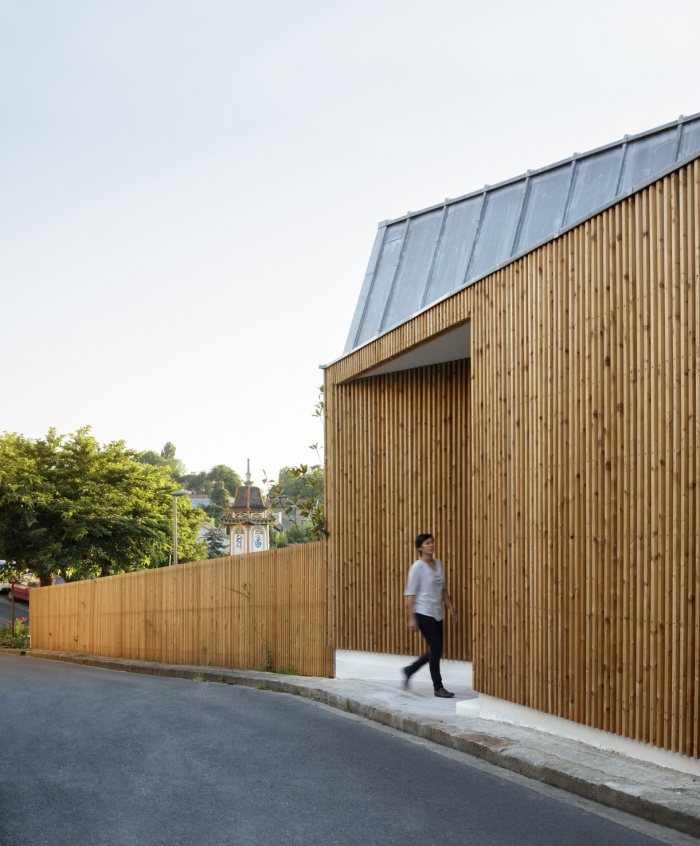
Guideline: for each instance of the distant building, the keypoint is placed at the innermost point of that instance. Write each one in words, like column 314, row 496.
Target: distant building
column 248, row 520
column 199, row 500
column 285, row 521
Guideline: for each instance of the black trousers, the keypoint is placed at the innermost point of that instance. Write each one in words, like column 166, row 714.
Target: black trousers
column 431, row 629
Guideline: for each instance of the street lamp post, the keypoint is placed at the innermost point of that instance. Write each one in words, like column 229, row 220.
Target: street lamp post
column 175, row 495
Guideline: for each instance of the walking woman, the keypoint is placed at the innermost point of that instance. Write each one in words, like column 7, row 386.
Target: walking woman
column 425, row 594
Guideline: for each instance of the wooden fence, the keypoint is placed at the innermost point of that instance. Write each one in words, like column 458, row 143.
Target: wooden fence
column 265, row 609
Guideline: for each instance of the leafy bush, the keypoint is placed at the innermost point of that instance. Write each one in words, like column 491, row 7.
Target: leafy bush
column 16, row 637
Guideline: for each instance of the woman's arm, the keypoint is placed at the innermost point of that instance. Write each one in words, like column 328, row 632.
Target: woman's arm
column 410, row 613
column 448, row 603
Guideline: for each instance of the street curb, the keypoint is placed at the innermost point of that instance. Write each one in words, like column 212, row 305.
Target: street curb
column 678, row 810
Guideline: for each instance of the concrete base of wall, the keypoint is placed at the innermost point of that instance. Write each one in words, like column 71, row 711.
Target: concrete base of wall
column 489, row 708
column 373, row 666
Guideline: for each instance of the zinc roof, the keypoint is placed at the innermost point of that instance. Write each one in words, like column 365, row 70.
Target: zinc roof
column 424, row 256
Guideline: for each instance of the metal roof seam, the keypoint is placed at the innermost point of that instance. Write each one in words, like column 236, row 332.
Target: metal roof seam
column 623, row 159
column 392, row 287
column 679, row 140
column 438, row 241
column 521, row 214
column 569, row 194
column 482, row 212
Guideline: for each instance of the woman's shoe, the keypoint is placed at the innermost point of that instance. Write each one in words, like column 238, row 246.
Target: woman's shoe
column 406, row 677
column 444, row 694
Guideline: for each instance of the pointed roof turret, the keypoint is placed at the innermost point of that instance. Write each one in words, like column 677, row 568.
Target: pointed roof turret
column 248, row 505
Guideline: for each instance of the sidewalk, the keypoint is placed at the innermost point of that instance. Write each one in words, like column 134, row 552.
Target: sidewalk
column 656, row 793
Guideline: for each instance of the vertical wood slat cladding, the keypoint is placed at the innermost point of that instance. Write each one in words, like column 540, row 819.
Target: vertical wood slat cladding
column 400, row 438
column 226, row 612
column 577, row 490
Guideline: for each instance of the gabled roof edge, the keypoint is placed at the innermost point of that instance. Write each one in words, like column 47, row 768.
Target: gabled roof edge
column 557, row 234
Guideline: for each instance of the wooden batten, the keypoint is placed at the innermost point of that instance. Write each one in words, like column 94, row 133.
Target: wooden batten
column 558, row 469
column 411, row 441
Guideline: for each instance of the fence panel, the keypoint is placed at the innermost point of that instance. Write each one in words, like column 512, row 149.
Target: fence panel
column 264, row 609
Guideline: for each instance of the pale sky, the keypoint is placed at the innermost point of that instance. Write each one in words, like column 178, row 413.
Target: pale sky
column 190, row 189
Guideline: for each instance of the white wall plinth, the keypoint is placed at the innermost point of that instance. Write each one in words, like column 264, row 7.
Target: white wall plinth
column 502, row 711
column 376, row 666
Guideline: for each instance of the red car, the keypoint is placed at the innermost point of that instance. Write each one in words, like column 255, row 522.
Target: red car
column 20, row 590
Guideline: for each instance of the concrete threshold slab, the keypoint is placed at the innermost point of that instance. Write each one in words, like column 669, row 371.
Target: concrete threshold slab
column 661, row 795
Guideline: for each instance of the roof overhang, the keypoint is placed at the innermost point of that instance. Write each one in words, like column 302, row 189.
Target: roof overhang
column 450, row 346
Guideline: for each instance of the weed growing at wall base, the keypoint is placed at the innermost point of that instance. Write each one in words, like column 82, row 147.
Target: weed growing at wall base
column 267, row 666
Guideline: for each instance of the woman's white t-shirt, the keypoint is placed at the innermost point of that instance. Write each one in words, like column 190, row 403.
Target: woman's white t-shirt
column 426, row 587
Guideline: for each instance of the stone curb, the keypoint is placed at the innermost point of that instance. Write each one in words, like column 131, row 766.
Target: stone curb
column 673, row 808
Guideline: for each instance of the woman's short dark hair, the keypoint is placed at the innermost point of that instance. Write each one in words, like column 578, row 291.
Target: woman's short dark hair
column 421, row 539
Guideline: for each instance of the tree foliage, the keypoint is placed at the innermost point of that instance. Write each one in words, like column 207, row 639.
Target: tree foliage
column 226, row 476
column 218, row 484
column 165, row 458
column 168, row 451
column 206, row 481
column 72, row 507
column 302, row 532
column 304, row 481
column 217, row 542
column 219, row 495
column 300, row 494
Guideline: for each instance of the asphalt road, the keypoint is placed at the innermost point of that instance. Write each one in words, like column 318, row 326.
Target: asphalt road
column 21, row 610
column 91, row 757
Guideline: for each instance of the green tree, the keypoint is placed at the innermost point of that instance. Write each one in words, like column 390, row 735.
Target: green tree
column 72, row 507
column 165, row 458
column 305, row 484
column 302, row 533
column 217, row 542
column 278, row 539
column 196, row 482
column 300, row 494
column 204, row 482
column 228, row 477
column 219, row 495
column 155, row 459
column 168, row 451
column 219, row 502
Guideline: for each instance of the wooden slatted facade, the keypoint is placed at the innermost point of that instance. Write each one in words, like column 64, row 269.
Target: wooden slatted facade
column 399, row 439
column 558, row 470
column 232, row 612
